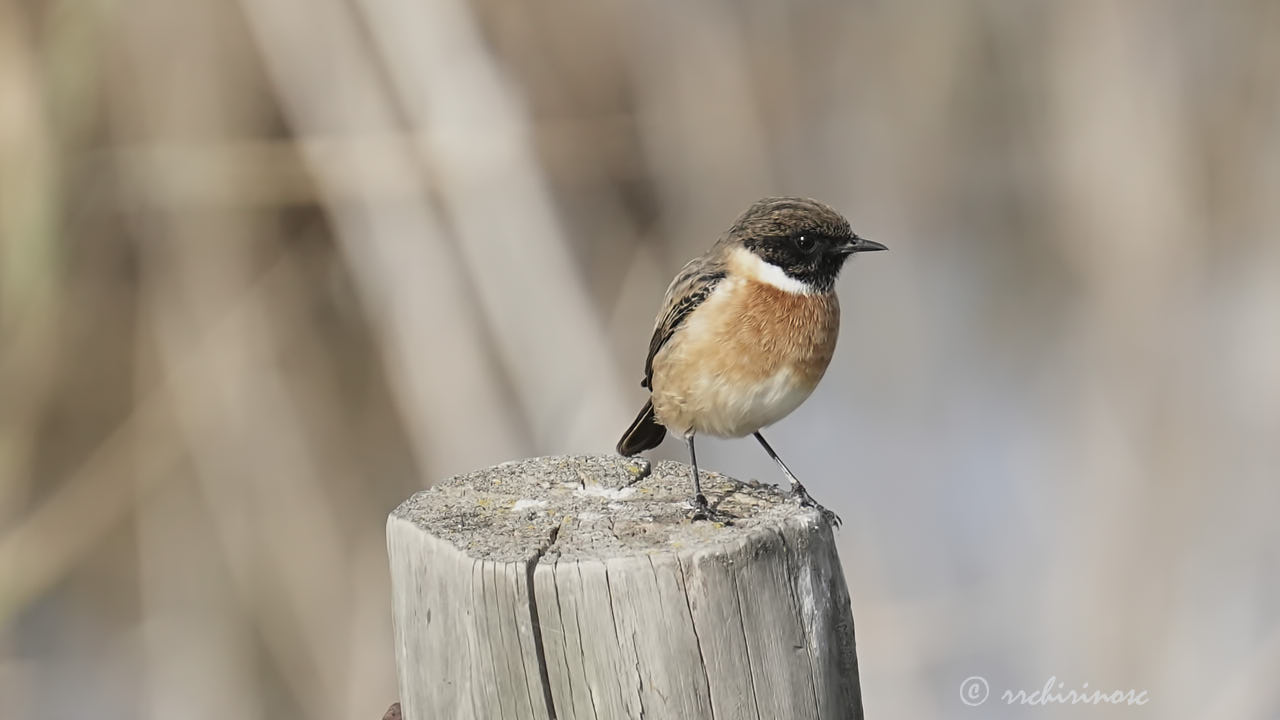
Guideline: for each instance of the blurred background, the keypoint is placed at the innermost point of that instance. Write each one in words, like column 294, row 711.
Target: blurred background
column 269, row 266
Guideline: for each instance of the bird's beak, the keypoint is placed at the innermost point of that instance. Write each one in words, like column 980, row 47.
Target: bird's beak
column 857, row 245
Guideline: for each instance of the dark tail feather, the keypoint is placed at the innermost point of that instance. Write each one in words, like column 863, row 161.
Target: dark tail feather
column 644, row 434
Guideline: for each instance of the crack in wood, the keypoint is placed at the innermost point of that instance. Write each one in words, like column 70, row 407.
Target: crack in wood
column 697, row 638
column 538, row 648
column 746, row 646
column 613, row 615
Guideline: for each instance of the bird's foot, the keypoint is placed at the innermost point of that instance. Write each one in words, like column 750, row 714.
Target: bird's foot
column 802, row 496
column 703, row 511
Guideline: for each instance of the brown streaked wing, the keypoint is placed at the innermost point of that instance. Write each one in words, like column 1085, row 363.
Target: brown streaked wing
column 690, row 288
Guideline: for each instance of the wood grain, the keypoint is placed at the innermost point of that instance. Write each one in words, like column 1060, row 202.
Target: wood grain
column 574, row 588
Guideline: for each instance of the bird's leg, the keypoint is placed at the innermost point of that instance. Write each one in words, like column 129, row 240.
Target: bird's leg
column 797, row 490
column 701, row 509
column 699, row 500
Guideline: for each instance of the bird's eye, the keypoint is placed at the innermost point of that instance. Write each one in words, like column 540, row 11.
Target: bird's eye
column 805, row 243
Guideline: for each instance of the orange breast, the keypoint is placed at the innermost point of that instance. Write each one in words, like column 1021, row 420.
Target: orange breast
column 774, row 330
column 744, row 359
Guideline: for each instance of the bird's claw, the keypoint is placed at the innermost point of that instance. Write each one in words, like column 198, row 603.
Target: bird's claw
column 802, row 496
column 703, row 511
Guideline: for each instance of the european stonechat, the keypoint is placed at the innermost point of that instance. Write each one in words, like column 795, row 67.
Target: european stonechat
column 746, row 332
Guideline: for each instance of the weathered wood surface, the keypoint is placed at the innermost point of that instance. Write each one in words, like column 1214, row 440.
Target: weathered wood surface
column 575, row 588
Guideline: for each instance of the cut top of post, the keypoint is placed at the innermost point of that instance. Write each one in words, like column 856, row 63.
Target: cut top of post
column 591, row 507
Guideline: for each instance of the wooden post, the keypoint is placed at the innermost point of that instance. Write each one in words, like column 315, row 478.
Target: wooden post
column 575, row 588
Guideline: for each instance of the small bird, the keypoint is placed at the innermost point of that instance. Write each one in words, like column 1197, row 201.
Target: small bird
column 746, row 331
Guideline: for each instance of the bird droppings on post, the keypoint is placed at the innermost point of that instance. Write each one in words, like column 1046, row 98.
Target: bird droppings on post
column 578, row 587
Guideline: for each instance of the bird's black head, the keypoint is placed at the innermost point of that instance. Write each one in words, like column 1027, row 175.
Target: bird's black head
column 804, row 238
